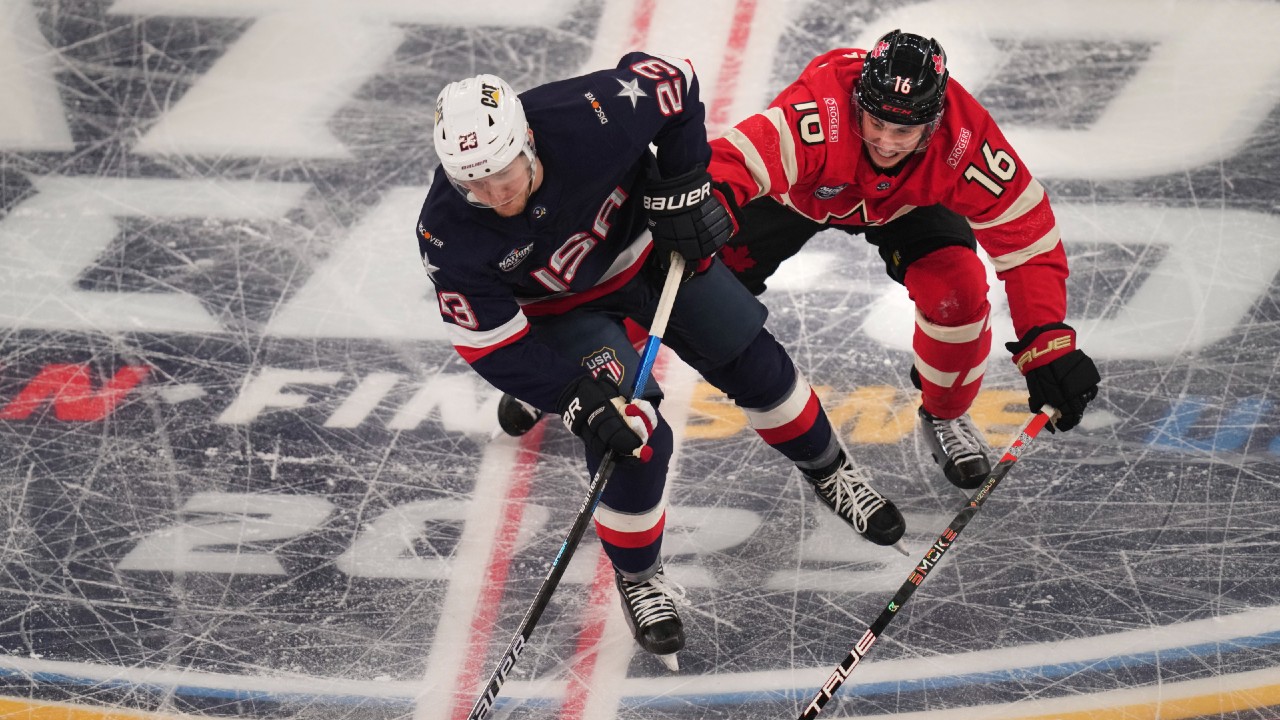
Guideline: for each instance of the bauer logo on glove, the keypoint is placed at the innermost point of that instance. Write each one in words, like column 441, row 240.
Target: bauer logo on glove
column 1043, row 352
column 690, row 215
column 1058, row 373
column 679, row 201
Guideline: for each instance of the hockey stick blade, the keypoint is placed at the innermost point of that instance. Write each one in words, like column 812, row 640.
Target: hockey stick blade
column 484, row 704
column 930, row 560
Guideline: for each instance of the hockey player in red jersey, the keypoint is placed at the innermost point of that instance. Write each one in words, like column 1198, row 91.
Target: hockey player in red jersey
column 883, row 143
column 544, row 233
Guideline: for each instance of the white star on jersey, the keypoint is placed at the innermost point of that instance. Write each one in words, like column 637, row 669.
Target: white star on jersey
column 430, row 268
column 631, row 90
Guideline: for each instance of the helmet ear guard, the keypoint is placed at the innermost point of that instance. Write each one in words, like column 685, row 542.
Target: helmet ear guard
column 904, row 80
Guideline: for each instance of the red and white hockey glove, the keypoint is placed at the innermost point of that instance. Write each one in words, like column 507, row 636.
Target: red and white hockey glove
column 593, row 409
column 690, row 215
column 1058, row 373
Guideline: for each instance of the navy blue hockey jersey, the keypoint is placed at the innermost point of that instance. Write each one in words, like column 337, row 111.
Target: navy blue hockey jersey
column 582, row 233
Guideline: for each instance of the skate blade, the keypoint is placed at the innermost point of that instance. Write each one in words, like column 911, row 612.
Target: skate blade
column 670, row 661
column 901, row 548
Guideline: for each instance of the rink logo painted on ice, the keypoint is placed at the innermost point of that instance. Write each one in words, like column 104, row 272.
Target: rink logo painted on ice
column 70, row 390
column 870, row 415
column 271, row 533
column 76, row 392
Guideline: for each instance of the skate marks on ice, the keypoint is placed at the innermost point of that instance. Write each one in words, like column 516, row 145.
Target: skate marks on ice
column 245, row 475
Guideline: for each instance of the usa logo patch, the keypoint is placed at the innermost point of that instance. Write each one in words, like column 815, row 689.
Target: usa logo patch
column 605, row 362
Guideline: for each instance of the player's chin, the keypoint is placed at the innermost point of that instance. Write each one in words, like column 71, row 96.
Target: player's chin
column 510, row 209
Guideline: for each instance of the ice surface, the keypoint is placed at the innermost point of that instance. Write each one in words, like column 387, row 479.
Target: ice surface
column 244, row 474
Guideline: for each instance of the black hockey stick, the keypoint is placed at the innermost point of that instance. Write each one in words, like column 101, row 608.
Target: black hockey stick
column 931, row 558
column 484, row 704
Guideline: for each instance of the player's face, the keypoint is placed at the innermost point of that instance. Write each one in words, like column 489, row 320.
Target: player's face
column 889, row 144
column 506, row 191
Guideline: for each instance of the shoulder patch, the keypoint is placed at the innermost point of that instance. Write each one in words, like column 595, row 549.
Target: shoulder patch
column 514, row 258
column 826, row 192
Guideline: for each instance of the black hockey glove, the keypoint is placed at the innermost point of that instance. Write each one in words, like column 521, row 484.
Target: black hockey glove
column 690, row 215
column 1058, row 373
column 594, row 410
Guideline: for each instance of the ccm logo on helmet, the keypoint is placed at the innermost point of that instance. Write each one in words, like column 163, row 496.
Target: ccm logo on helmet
column 677, row 202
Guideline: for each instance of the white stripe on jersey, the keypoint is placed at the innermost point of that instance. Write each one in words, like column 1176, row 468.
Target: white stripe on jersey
column 756, row 165
column 1025, row 203
column 1018, row 257
column 480, row 339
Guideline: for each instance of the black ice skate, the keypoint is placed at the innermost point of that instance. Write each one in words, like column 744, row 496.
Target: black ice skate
column 516, row 417
column 650, row 609
column 958, row 448
column 847, row 491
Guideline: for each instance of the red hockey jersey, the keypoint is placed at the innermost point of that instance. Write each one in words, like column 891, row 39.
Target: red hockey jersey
column 806, row 152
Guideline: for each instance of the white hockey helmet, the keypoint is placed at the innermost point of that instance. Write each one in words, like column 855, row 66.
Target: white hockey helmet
column 480, row 131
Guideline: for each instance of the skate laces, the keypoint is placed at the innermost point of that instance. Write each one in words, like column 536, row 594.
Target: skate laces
column 654, row 600
column 850, row 494
column 959, row 437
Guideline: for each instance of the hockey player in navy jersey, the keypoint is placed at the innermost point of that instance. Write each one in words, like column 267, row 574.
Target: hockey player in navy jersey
column 536, row 236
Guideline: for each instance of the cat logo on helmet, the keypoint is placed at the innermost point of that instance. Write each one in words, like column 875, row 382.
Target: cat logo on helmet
column 489, row 95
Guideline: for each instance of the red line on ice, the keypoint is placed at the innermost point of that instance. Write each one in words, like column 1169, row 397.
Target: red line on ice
column 731, row 68
column 495, row 574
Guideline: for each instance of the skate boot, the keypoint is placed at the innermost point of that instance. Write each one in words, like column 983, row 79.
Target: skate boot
column 846, row 490
column 650, row 609
column 958, row 448
column 516, row 417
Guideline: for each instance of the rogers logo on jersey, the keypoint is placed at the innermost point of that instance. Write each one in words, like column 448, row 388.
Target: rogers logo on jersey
column 833, row 119
column 962, row 144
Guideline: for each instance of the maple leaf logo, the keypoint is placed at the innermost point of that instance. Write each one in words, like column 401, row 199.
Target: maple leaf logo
column 737, row 259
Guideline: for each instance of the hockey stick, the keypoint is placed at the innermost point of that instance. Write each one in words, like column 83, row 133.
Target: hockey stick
column 484, row 704
column 931, row 558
